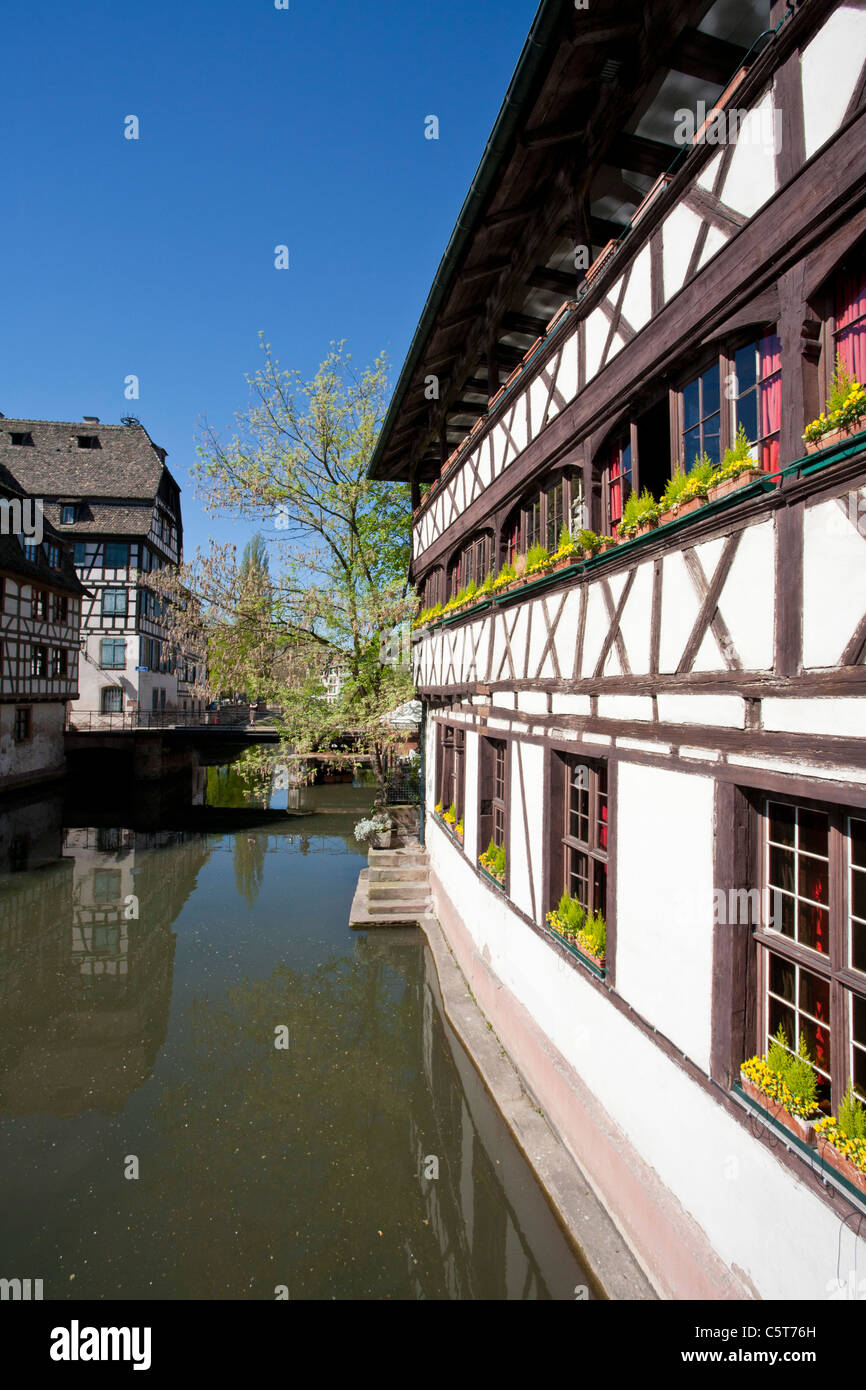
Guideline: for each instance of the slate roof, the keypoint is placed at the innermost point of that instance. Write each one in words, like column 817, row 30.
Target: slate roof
column 104, row 518
column 14, row 561
column 127, row 465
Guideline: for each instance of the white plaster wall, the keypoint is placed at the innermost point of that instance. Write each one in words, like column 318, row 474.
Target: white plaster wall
column 751, row 178
column 834, row 581
column 527, row 793
column 830, row 66
column 664, row 905
column 843, row 716
column 470, row 799
column 756, row 1214
column 723, row 711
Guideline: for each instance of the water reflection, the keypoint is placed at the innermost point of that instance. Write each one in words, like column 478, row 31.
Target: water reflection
column 143, row 973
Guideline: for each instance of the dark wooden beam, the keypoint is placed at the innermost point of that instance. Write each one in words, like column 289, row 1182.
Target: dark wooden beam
column 706, row 57
column 466, row 408
column 640, row 155
column 556, row 133
column 480, row 272
column 514, row 322
column 558, row 281
column 459, row 320
column 506, row 215
column 507, row 357
column 602, row 33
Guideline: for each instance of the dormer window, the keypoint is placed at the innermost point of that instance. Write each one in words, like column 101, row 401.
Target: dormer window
column 22, row 438
column 68, row 514
column 89, row 441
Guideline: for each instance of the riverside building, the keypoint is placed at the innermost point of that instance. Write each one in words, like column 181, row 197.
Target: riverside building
column 675, row 720
column 107, row 490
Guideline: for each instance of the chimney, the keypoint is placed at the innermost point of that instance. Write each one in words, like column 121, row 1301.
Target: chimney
column 91, row 419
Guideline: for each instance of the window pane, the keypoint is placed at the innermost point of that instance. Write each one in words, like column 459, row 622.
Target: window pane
column 815, row 996
column 777, row 1013
column 781, row 823
column 782, row 868
column 710, row 391
column 782, row 913
column 712, row 442
column 745, row 366
column 858, row 842
column 814, row 832
column 858, row 946
column 782, row 978
column 691, row 446
column 858, row 893
column 813, row 881
column 747, row 415
column 691, row 404
column 814, row 927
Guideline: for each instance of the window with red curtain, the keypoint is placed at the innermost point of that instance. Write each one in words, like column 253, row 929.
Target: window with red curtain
column 758, row 403
column 814, row 905
column 619, row 482
column 850, row 333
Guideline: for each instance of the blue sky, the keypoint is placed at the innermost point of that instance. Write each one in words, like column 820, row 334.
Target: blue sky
column 258, row 127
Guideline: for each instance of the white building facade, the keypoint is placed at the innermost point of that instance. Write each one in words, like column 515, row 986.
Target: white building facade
column 671, row 728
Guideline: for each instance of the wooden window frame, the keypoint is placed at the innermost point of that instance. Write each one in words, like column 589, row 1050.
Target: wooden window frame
column 562, row 843
column 530, row 519
column 27, row 712
column 451, row 768
column 490, row 804
column 114, row 642
column 833, row 966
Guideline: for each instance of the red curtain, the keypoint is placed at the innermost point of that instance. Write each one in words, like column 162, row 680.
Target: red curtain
column 615, row 488
column 851, row 321
column 769, row 400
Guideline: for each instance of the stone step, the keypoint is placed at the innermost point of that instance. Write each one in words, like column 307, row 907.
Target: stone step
column 398, row 892
column 410, row 873
column 396, row 858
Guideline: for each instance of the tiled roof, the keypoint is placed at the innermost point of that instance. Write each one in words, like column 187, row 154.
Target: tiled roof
column 14, row 561
column 126, row 465
column 104, row 518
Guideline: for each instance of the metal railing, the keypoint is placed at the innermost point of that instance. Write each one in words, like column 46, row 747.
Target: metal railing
column 97, row 721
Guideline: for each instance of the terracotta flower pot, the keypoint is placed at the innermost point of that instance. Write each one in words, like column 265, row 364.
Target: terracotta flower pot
column 608, row 545
column 693, row 505
column 665, row 517
column 731, row 485
column 842, row 1165
column 383, row 840
column 832, row 437
column 646, row 526
column 802, row 1129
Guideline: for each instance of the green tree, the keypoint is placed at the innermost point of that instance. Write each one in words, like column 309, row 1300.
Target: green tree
column 339, row 588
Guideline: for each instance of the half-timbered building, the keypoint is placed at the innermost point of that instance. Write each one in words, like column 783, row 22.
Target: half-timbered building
column 108, row 490
column 40, row 620
column 664, row 247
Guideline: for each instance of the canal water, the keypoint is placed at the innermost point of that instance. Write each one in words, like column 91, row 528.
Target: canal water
column 155, row 1142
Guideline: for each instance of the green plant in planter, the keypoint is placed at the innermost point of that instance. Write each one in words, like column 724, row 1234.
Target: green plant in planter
column 537, row 559
column 785, row 1076
column 638, row 510
column 699, row 479
column 451, row 814
column 852, row 1116
column 459, row 827
column 485, row 588
column 493, row 860
column 505, row 576
column 674, row 489
column 588, row 542
column 846, row 405
column 736, row 460
column 566, row 547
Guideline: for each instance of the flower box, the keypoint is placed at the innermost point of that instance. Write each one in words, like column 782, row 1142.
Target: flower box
column 730, row 485
column 832, row 437
column 804, row 1130
column 644, row 526
column 693, row 505
column 665, row 517
column 596, row 963
column 609, row 545
column 497, row 882
column 842, row 1164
